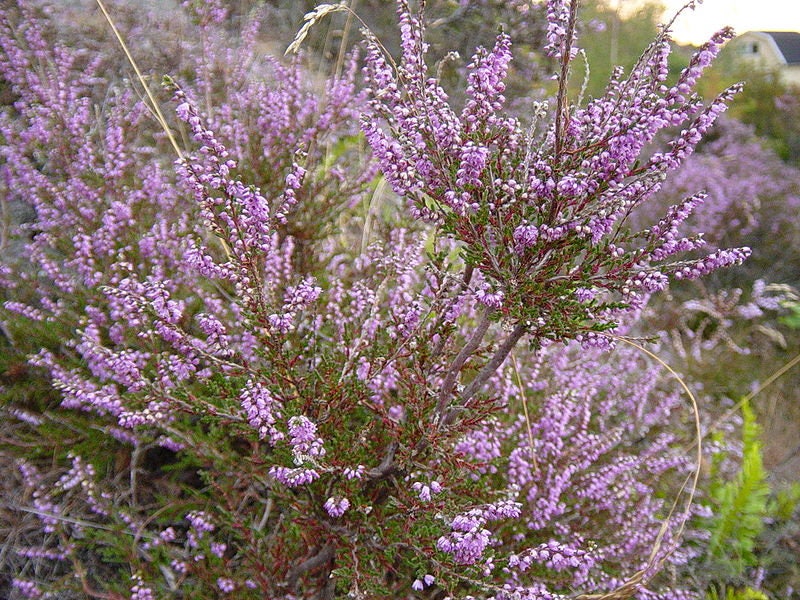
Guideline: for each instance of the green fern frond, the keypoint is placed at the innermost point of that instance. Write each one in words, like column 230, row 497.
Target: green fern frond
column 741, row 504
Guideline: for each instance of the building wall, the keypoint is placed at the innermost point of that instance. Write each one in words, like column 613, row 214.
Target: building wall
column 757, row 48
column 760, row 51
column 791, row 75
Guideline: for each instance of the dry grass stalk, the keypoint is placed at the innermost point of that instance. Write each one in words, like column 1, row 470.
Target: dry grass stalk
column 310, row 19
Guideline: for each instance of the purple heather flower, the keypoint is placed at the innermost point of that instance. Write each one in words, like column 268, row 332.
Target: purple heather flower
column 336, row 506
column 293, row 477
column 468, row 538
column 263, row 411
column 525, row 236
column 712, row 262
column 492, row 299
column 294, row 180
column 426, row 581
column 141, row 592
column 27, row 589
column 295, row 299
column 200, row 525
column 363, row 369
column 354, row 473
column 466, row 547
column 425, row 490
column 31, row 312
column 397, row 413
column 179, row 566
column 282, row 323
column 558, row 15
column 473, row 161
column 486, row 84
column 303, row 437
column 25, row 416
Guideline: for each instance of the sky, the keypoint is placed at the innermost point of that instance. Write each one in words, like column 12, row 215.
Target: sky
column 743, row 15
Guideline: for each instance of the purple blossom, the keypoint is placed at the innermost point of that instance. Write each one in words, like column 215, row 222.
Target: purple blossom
column 492, row 299
column 179, row 566
column 263, row 411
column 27, row 589
column 473, row 161
column 293, row 477
column 525, row 236
column 226, row 585
column 468, row 538
column 303, row 438
column 558, row 37
column 336, row 506
column 486, row 84
column 139, row 591
column 712, row 262
column 427, row 580
column 294, row 181
column 354, row 473
column 295, row 299
column 466, row 547
column 200, row 524
column 426, row 490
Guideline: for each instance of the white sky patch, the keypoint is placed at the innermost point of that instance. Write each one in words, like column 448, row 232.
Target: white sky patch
column 697, row 26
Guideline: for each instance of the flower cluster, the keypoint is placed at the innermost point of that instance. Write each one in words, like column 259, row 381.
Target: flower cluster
column 543, row 218
column 468, row 537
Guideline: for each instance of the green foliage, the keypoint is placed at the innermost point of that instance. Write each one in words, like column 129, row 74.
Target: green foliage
column 791, row 320
column 759, row 105
column 784, row 503
column 736, row 594
column 740, row 506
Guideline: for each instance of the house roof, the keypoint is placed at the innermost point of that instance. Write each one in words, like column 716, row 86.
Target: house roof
column 788, row 42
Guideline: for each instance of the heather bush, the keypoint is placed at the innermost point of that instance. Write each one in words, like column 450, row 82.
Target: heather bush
column 274, row 379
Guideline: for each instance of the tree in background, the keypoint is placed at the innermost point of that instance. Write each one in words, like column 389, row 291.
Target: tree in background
column 617, row 36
